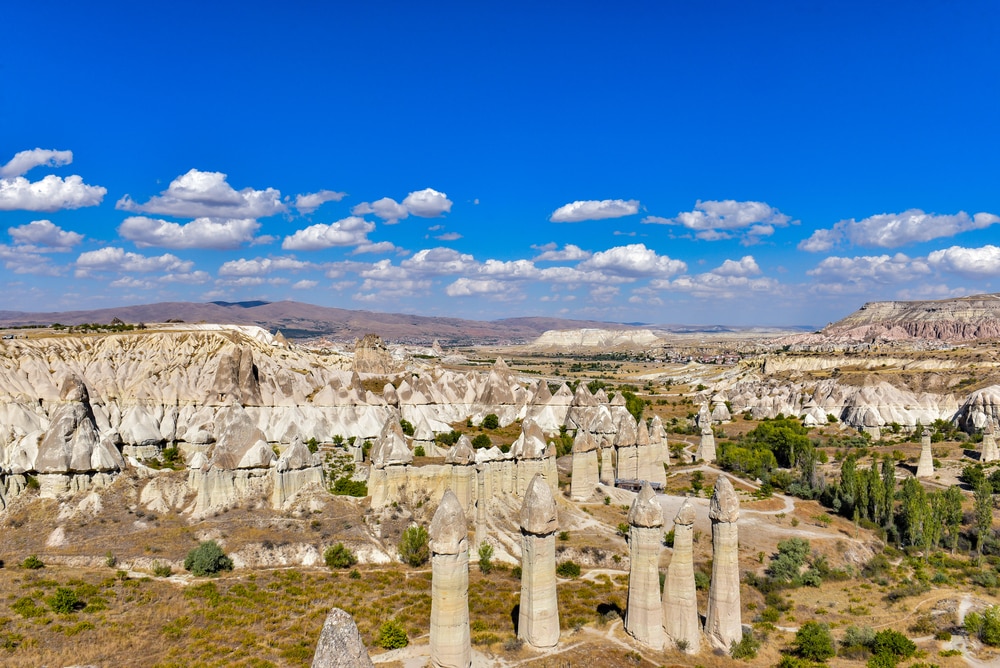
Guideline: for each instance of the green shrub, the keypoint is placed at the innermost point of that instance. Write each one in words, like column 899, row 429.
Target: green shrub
column 668, row 538
column 701, row 581
column 313, row 445
column 413, row 546
column 338, row 556
column 491, row 421
column 64, row 601
column 172, row 456
column 481, row 441
column 406, row 426
column 392, row 635
column 419, row 451
column 746, row 648
column 985, row 626
column 347, row 487
column 568, row 569
column 893, row 644
column 207, row 559
column 814, row 642
column 485, row 558
column 162, row 570
column 33, row 563
column 27, row 608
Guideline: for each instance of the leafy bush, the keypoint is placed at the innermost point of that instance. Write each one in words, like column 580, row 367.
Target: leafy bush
column 481, row 441
column 413, row 547
column 33, row 563
column 746, row 648
column 485, row 558
column 207, row 559
column 568, row 569
column 162, row 570
column 668, row 538
column 491, row 421
column 701, row 581
column 172, row 456
column 27, row 608
column 814, row 642
column 985, row 626
column 313, row 445
column 347, row 487
column 64, row 601
column 893, row 644
column 419, row 451
column 392, row 635
column 406, row 426
column 338, row 556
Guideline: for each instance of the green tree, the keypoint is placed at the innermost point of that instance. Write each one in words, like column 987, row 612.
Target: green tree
column 64, row 601
column 406, row 426
column 486, row 558
column 914, row 510
column 951, row 514
column 481, row 441
column 338, row 556
column 207, row 559
column 983, row 507
column 413, row 546
column 786, row 565
column 814, row 642
column 491, row 421
column 894, row 644
column 392, row 635
column 634, row 404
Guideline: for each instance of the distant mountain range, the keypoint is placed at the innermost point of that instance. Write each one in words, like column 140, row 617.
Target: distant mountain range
column 297, row 321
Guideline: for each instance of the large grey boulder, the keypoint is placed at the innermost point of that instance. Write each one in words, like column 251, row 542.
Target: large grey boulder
column 340, row 644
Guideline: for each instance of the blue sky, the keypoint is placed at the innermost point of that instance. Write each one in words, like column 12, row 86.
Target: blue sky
column 730, row 162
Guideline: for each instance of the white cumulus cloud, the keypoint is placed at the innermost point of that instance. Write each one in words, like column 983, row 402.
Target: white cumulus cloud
column 981, row 262
column 550, row 253
column 386, row 208
column 427, row 203
column 482, row 287
column 207, row 233
column 580, row 210
column 745, row 266
column 207, row 194
column 634, row 260
column 350, row 231
column 25, row 161
column 52, row 193
column 878, row 268
column 259, row 266
column 44, row 235
column 304, row 285
column 712, row 220
column 439, row 261
column 377, row 247
column 891, row 230
column 112, row 258
column 309, row 202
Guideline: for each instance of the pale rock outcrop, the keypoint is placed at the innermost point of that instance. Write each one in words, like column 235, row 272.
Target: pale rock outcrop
column 538, row 617
column 644, row 614
column 581, row 409
column 722, row 621
column 981, row 408
column 706, row 447
column 607, row 473
column 627, row 449
column 990, row 452
column 925, row 466
column 340, row 644
column 658, row 438
column 462, row 459
column 390, row 457
column 533, row 456
column 451, row 646
column 585, row 477
column 371, row 355
column 296, row 468
column 481, row 500
column 680, row 597
column 720, row 412
column 71, row 444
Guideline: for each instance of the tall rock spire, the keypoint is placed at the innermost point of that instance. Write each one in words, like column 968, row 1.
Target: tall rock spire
column 644, row 614
column 450, row 637
column 722, row 621
column 538, row 619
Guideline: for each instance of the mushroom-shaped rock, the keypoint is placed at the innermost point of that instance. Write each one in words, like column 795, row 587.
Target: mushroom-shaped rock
column 538, row 512
column 645, row 511
column 584, row 442
column 722, row 620
column 448, row 530
column 391, row 448
column 680, row 596
column 461, row 453
column 725, row 504
column 627, row 434
column 644, row 614
column 538, row 617
column 531, row 443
